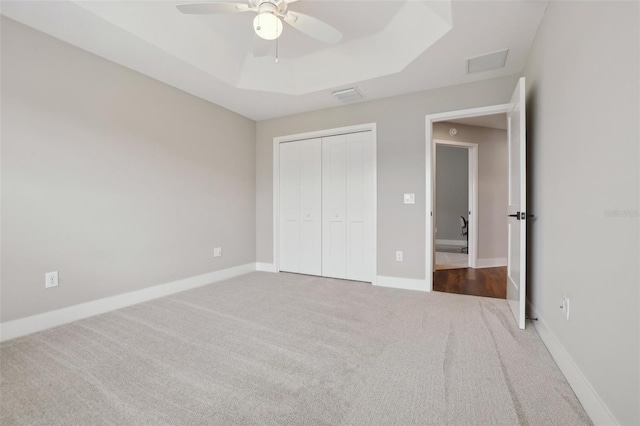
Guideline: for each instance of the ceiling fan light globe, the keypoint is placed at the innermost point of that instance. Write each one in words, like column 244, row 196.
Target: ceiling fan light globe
column 267, row 26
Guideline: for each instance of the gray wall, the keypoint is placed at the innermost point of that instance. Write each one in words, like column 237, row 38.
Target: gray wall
column 115, row 180
column 493, row 168
column 583, row 76
column 401, row 163
column 452, row 191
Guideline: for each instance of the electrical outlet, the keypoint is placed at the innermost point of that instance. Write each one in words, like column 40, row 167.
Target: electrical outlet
column 399, row 256
column 565, row 306
column 51, row 279
column 217, row 252
column 409, row 198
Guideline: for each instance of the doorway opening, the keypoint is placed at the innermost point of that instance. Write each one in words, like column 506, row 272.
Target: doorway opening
column 470, row 198
column 456, row 196
column 516, row 211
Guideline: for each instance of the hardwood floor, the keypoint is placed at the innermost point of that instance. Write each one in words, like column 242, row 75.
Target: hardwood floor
column 487, row 282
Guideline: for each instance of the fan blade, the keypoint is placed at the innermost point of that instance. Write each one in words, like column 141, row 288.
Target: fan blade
column 212, row 8
column 313, row 27
column 261, row 47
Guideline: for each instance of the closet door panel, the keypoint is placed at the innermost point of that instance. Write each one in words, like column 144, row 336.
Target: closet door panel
column 359, row 207
column 310, row 206
column 334, row 249
column 289, row 207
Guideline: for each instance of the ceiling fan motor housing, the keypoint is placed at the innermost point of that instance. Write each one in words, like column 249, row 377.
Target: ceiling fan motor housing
column 267, row 23
column 276, row 7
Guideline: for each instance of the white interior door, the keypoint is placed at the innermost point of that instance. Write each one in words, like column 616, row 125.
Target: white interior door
column 289, row 207
column 359, row 206
column 300, row 206
column 517, row 247
column 334, row 208
column 347, row 206
column 311, row 206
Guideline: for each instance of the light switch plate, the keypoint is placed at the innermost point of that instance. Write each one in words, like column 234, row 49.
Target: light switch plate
column 410, row 198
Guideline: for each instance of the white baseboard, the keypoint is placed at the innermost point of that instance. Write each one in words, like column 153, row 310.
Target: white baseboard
column 23, row 326
column 491, row 263
column 455, row 243
column 588, row 397
column 402, row 283
column 265, row 267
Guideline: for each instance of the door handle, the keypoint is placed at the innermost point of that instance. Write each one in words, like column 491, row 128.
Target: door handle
column 521, row 215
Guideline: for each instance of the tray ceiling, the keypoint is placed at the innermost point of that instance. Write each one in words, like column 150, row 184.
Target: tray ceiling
column 389, row 47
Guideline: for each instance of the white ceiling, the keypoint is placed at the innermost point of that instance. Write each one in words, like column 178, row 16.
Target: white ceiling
column 389, row 47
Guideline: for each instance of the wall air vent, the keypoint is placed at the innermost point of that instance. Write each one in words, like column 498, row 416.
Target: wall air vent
column 348, row 95
column 491, row 61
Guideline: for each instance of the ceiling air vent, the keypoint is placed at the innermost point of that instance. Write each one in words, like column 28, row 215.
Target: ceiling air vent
column 348, row 95
column 492, row 61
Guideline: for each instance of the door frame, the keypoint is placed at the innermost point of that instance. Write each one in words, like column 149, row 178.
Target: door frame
column 472, row 163
column 368, row 127
column 430, row 147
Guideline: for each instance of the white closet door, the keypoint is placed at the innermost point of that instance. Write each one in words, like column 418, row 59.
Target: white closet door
column 300, row 206
column 347, row 206
column 334, row 178
column 289, row 207
column 311, row 207
column 359, row 210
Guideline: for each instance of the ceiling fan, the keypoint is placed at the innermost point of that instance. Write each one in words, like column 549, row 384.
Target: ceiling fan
column 268, row 21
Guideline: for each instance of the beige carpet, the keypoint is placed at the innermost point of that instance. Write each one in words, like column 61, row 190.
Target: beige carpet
column 281, row 349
